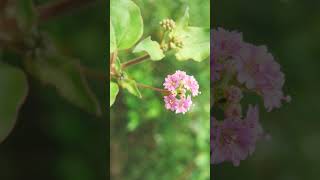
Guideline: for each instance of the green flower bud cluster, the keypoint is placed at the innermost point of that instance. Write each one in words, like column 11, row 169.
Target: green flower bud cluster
column 171, row 40
column 168, row 24
column 175, row 42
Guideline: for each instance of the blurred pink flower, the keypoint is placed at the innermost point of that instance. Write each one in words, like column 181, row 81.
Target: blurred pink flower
column 234, row 139
column 226, row 43
column 238, row 67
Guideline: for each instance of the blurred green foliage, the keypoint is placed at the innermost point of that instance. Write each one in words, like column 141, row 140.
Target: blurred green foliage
column 53, row 139
column 148, row 141
column 290, row 30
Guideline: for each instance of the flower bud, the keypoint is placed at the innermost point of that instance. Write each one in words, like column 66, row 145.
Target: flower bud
column 167, row 24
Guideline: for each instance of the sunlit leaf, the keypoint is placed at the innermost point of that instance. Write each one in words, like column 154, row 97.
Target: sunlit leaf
column 196, row 44
column 13, row 91
column 195, row 40
column 127, row 23
column 151, row 47
column 114, row 90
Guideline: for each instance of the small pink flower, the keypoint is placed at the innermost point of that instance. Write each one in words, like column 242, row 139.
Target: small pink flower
column 170, row 102
column 171, row 83
column 183, row 105
column 191, row 84
column 181, row 87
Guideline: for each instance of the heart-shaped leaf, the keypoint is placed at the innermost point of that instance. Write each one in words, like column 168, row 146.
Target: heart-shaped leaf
column 126, row 22
column 13, row 92
column 151, row 47
column 114, row 90
column 65, row 75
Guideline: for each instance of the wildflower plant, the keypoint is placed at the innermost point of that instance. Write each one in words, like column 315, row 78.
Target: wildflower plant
column 239, row 70
column 177, row 39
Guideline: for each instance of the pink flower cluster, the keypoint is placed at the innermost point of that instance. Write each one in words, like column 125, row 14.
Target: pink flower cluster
column 237, row 67
column 181, row 87
column 235, row 138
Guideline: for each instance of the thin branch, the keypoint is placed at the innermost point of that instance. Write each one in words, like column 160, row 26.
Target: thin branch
column 135, row 61
column 163, row 91
column 53, row 9
column 113, row 58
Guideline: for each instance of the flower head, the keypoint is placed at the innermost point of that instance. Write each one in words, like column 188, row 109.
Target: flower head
column 181, row 87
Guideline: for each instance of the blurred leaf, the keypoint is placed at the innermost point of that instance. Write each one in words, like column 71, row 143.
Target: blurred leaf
column 130, row 85
column 114, row 89
column 127, row 23
column 196, row 40
column 13, row 92
column 134, row 120
column 151, row 47
column 64, row 74
column 26, row 14
column 113, row 43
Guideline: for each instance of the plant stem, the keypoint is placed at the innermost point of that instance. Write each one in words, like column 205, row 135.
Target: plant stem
column 163, row 91
column 55, row 8
column 135, row 61
column 112, row 60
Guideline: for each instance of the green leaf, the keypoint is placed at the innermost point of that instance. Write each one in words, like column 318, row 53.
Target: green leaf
column 196, row 44
column 13, row 92
column 113, row 43
column 127, row 23
column 151, row 47
column 65, row 75
column 26, row 14
column 114, row 90
column 130, row 85
column 196, row 40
